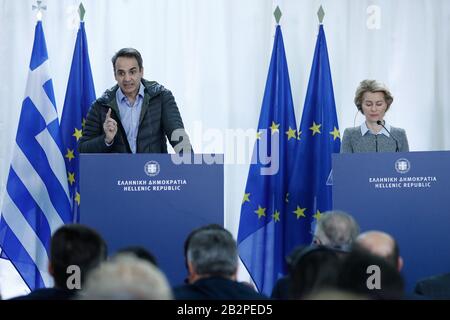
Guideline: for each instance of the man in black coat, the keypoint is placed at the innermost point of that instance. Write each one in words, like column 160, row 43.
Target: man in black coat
column 135, row 116
column 435, row 287
column 212, row 260
column 75, row 250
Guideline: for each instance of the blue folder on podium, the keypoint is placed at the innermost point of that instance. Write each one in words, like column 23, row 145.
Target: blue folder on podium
column 404, row 194
column 148, row 200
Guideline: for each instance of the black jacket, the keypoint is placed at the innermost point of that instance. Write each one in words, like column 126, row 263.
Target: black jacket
column 435, row 287
column 216, row 288
column 49, row 294
column 159, row 119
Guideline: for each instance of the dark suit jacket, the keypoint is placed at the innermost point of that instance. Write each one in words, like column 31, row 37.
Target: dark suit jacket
column 216, row 288
column 436, row 287
column 48, row 294
column 159, row 119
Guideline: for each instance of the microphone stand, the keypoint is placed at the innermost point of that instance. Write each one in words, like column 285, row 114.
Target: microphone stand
column 381, row 123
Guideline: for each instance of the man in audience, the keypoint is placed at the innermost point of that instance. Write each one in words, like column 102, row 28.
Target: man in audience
column 336, row 229
column 366, row 274
column 126, row 277
column 435, row 287
column 383, row 245
column 212, row 259
column 316, row 268
column 72, row 246
column 212, row 226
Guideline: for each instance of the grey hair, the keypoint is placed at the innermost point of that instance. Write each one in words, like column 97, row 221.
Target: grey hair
column 337, row 229
column 126, row 277
column 213, row 252
column 372, row 86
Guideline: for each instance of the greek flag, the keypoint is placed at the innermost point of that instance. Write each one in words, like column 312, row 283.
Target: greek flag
column 36, row 200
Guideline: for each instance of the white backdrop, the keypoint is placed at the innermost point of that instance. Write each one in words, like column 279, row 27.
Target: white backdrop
column 214, row 56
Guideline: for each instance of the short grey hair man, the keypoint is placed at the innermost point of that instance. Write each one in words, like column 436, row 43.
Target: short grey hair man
column 212, row 253
column 126, row 277
column 336, row 229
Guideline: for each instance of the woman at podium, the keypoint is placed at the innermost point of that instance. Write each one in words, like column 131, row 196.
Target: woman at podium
column 373, row 99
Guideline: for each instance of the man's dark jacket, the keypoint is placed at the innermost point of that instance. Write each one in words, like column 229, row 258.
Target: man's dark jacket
column 159, row 118
column 216, row 288
column 435, row 287
column 49, row 294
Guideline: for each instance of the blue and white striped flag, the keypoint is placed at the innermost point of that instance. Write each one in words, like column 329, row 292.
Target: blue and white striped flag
column 36, row 200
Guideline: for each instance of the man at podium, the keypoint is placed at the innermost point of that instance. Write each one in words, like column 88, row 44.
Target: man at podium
column 134, row 116
column 373, row 99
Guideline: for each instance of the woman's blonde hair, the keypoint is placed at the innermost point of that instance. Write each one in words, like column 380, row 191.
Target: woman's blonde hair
column 372, row 86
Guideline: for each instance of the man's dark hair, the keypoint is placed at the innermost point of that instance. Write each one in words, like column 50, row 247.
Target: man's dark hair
column 139, row 252
column 75, row 244
column 129, row 53
column 354, row 276
column 315, row 268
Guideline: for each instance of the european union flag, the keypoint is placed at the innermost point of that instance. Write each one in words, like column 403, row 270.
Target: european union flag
column 36, row 200
column 319, row 137
column 264, row 219
column 79, row 96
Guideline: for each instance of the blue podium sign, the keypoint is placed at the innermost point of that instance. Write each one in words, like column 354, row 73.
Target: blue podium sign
column 404, row 194
column 148, row 200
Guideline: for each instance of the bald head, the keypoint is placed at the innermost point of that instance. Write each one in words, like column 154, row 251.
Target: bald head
column 381, row 244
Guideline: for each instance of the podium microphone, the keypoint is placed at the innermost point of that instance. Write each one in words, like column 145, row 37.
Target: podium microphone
column 381, row 123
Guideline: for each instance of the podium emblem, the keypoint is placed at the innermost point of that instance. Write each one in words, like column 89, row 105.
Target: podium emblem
column 402, row 165
column 151, row 168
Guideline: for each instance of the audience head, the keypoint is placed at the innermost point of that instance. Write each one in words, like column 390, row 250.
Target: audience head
column 139, row 252
column 126, row 277
column 366, row 274
column 336, row 229
column 381, row 244
column 291, row 259
column 75, row 244
column 315, row 268
column 212, row 226
column 212, row 252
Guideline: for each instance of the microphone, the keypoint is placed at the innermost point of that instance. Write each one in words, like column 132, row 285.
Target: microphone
column 381, row 123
